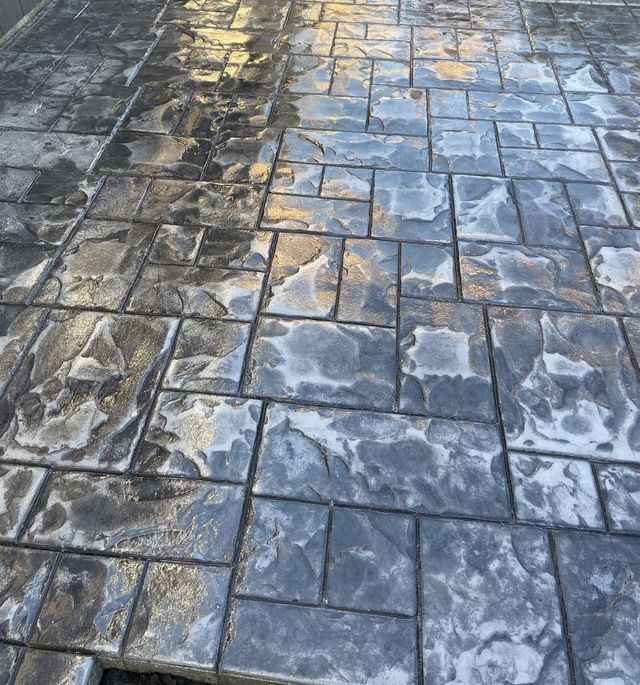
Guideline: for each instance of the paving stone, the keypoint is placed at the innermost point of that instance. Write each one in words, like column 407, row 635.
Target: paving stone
column 444, row 363
column 448, row 103
column 428, row 271
column 149, row 517
column 527, row 73
column 208, row 356
column 534, row 107
column 118, row 198
column 196, row 291
column 627, row 176
column 520, row 275
column 477, row 577
column 99, row 265
column 323, row 362
column 580, row 74
column 466, row 147
column 372, row 562
column 308, row 74
column 622, row 75
column 95, row 109
column 614, row 255
column 303, row 280
column 21, row 268
column 296, row 179
column 282, row 643
column 252, row 73
column 388, row 72
column 620, row 487
column 619, row 145
column 13, row 182
column 55, row 668
column 440, row 73
column 153, row 154
column 596, row 205
column 17, row 327
column 82, row 394
column 351, row 77
column 516, row 134
column 604, row 110
column 321, row 112
column 19, row 485
column 175, row 244
column 25, row 573
column 555, row 164
column 354, row 149
column 30, row 112
column 368, row 287
column 283, row 551
column 398, row 110
column 347, row 184
column 538, row 356
column 199, row 436
column 444, row 467
column 435, row 42
column 546, row 215
column 195, row 597
column 236, row 249
column 599, row 576
column 88, row 603
column 204, row 204
column 157, row 110
column 554, row 491
column 485, row 209
column 411, row 206
column 566, row 137
column 8, row 660
column 316, row 215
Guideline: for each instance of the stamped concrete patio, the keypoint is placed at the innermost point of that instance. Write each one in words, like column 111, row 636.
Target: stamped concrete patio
column 319, row 342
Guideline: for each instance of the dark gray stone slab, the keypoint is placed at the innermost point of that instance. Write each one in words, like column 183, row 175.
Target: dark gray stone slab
column 233, row 249
column 17, row 327
column 539, row 357
column 372, row 562
column 36, row 224
column 19, row 485
column 195, row 598
column 326, row 362
column 83, row 392
column 56, row 668
column 427, row 271
column 431, row 466
column 149, row 517
column 491, row 609
column 444, row 361
column 600, row 578
column 283, row 551
column 88, row 604
column 176, row 244
column 199, row 436
column 270, row 641
column 8, row 660
column 21, row 268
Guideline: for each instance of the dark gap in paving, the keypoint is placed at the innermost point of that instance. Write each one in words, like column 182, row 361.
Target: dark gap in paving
column 115, row 676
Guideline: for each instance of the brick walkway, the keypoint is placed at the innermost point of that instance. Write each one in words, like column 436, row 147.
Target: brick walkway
column 319, row 342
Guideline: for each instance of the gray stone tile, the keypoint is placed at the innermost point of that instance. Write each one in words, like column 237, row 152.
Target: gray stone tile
column 82, row 394
column 561, row 165
column 308, row 74
column 8, row 660
column 627, row 176
column 596, row 205
column 444, row 361
column 388, row 72
column 14, row 182
column 24, row 576
column 347, row 184
column 521, row 275
column 199, row 436
column 119, row 198
column 270, row 641
column 55, row 668
column 485, row 209
column 204, row 204
column 516, row 134
column 351, row 77
column 614, row 255
column 394, row 50
column 19, row 485
column 438, row 43
column 283, row 551
column 95, row 109
column 579, row 74
column 17, row 327
column 372, row 562
column 316, row 215
column 398, row 110
column 325, row 362
column 321, row 112
column 196, row 291
column 623, row 76
column 466, row 147
column 208, row 356
column 296, row 179
column 99, row 265
column 36, row 224
column 88, row 604
column 157, row 110
column 566, row 137
column 448, row 103
column 534, row 107
column 432, row 466
column 600, row 577
column 539, row 355
column 604, row 110
column 428, row 271
column 527, row 73
column 232, row 249
column 546, row 215
column 195, row 598
column 441, row 73
column 620, row 487
column 176, row 244
column 354, row 149
column 21, row 268
column 477, row 577
column 368, row 288
column 303, row 280
column 555, row 492
column 411, row 206
column 148, row 517
column 620, row 145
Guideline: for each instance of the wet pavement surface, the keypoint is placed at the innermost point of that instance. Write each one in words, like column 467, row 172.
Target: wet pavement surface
column 319, row 337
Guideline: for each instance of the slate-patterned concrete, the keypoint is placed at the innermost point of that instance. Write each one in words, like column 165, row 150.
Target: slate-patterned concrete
column 320, row 342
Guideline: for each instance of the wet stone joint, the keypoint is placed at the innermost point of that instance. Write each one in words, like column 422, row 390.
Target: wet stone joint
column 320, row 343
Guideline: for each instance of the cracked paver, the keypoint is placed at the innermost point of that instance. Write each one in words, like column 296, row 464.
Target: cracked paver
column 320, row 342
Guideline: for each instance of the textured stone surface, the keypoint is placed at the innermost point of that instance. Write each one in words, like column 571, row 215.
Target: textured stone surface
column 319, row 342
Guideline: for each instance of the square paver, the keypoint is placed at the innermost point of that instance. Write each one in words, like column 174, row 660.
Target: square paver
column 464, row 147
column 428, row 271
column 620, row 487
